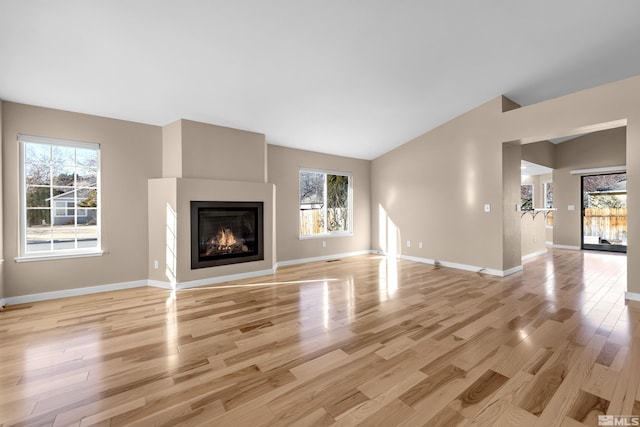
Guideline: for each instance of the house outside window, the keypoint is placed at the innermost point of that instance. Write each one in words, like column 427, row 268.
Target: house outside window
column 59, row 197
column 326, row 206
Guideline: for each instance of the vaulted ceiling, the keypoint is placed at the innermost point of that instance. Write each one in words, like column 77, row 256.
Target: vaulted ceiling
column 354, row 78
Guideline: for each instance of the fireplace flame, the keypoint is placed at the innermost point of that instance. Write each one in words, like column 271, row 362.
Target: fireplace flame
column 226, row 239
column 225, row 242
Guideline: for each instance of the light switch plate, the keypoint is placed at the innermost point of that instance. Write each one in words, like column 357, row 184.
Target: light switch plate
column 487, row 208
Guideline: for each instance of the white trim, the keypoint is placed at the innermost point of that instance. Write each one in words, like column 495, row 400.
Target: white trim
column 159, row 284
column 325, row 171
column 513, row 270
column 632, row 296
column 44, row 296
column 221, row 279
column 327, row 235
column 3, row 303
column 51, row 256
column 571, row 248
column 599, row 170
column 350, row 203
column 533, row 254
column 26, row 139
column 549, row 243
column 491, row 271
column 57, row 141
column 322, row 258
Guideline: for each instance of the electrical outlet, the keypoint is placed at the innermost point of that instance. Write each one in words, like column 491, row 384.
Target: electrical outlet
column 420, row 245
column 155, row 264
column 408, row 243
column 324, row 244
column 487, row 207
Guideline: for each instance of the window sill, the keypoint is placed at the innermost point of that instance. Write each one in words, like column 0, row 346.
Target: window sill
column 49, row 256
column 325, row 236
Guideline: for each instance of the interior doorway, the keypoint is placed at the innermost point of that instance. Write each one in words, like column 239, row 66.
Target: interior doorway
column 604, row 212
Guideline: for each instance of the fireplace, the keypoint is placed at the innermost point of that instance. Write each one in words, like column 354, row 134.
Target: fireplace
column 226, row 233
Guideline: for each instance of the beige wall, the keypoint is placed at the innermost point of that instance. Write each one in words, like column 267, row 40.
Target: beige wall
column 203, row 162
column 284, row 168
column 1, row 214
column 130, row 155
column 162, row 196
column 434, row 186
column 532, row 228
column 434, row 189
column 604, row 107
column 178, row 193
column 200, row 150
column 511, row 181
column 172, row 150
column 599, row 149
column 431, row 189
column 134, row 196
column 540, row 153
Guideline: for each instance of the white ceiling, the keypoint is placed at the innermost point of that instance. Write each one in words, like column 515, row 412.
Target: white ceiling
column 354, row 78
column 532, row 169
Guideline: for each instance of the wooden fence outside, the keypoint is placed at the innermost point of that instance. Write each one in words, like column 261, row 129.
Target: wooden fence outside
column 608, row 223
column 312, row 220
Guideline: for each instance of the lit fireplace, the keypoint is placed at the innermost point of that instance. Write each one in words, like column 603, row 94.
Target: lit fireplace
column 226, row 233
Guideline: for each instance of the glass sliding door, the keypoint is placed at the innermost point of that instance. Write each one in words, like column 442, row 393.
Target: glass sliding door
column 604, row 212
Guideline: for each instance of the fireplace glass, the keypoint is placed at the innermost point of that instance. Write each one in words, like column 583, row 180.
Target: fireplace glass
column 226, row 233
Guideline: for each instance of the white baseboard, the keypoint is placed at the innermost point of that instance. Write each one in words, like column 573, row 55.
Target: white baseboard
column 44, row 296
column 221, row 279
column 23, row 299
column 534, row 254
column 491, row 271
column 632, row 296
column 548, row 243
column 512, row 270
column 571, row 248
column 321, row 258
column 159, row 284
column 3, row 302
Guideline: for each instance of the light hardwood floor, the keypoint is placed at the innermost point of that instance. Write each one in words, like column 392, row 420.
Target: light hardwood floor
column 360, row 340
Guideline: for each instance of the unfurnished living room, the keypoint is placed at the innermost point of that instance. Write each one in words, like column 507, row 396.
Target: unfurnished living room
column 279, row 213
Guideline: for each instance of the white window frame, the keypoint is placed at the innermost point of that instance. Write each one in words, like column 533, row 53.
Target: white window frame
column 349, row 202
column 57, row 253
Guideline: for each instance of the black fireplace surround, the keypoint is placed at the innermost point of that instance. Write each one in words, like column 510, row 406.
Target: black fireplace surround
column 226, row 233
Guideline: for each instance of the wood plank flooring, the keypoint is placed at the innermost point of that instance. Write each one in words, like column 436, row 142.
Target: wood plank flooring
column 358, row 341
